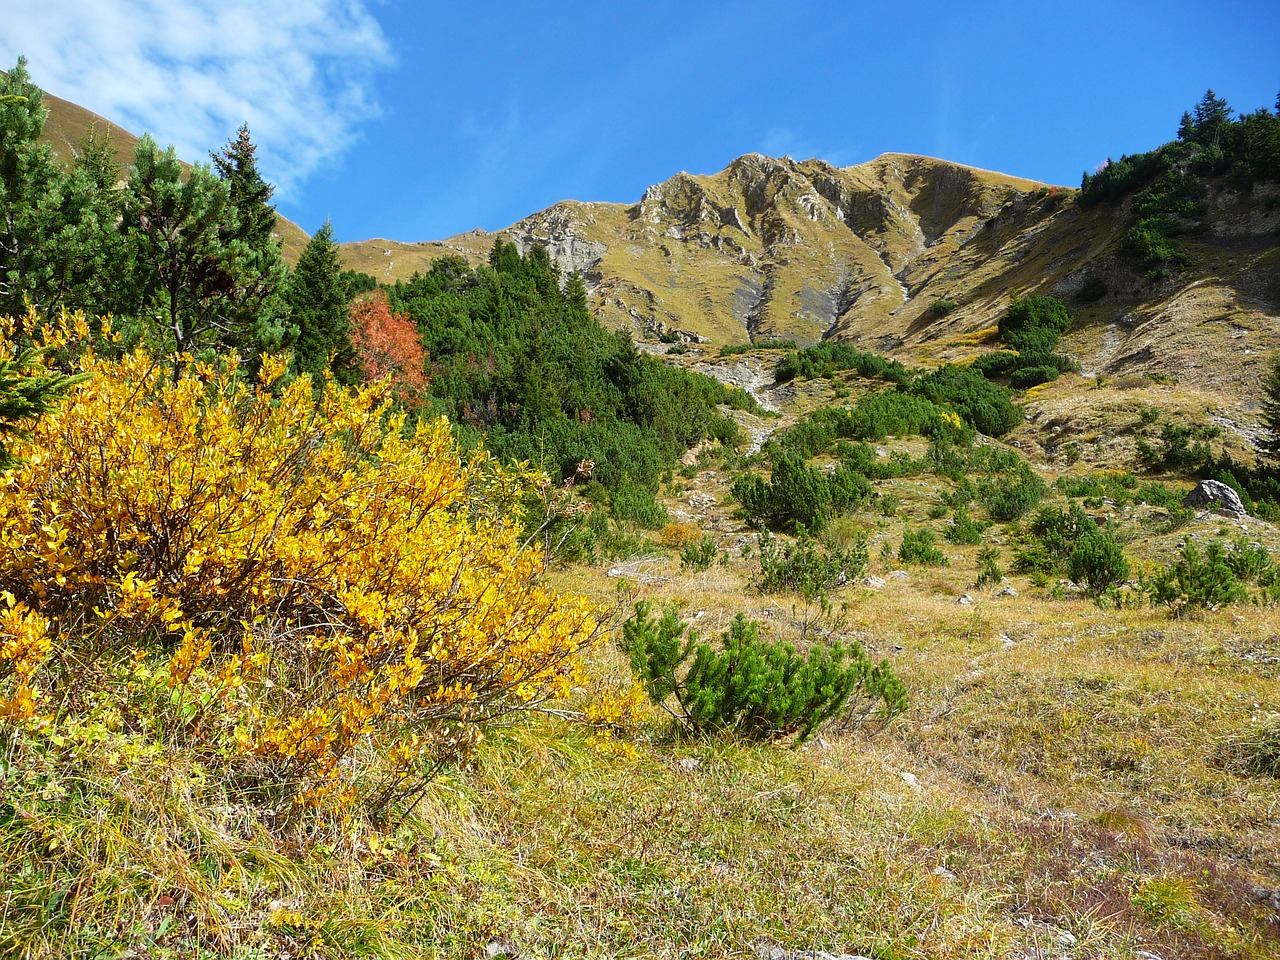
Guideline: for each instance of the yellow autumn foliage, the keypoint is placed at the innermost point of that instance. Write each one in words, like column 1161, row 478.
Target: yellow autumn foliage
column 324, row 592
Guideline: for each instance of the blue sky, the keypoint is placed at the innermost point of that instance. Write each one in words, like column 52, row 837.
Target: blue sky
column 418, row 120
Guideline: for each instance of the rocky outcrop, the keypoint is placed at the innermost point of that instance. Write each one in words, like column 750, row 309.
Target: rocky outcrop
column 1215, row 495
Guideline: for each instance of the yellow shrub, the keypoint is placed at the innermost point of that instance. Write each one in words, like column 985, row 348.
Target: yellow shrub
column 677, row 536
column 324, row 586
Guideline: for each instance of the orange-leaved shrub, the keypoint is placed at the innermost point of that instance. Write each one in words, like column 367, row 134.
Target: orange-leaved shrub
column 388, row 345
column 323, row 604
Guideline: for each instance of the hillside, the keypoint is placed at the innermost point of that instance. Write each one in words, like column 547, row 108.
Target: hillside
column 777, row 248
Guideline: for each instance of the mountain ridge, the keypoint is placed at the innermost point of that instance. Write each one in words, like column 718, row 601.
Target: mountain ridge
column 775, row 248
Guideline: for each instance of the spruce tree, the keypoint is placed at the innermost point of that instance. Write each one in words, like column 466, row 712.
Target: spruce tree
column 317, row 308
column 237, row 167
column 1211, row 117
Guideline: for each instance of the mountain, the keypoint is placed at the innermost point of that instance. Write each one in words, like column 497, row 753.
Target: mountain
column 68, row 125
column 906, row 255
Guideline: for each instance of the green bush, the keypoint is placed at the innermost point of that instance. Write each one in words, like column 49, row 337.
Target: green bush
column 996, row 364
column 1034, row 324
column 804, row 568
column 989, row 572
column 632, row 503
column 732, row 350
column 752, row 687
column 1250, row 562
column 827, row 359
column 797, row 494
column 1050, row 538
column 699, row 556
column 984, row 405
column 963, row 529
column 919, row 547
column 1010, row 497
column 1181, row 447
column 1097, row 563
column 1026, row 377
column 1196, row 581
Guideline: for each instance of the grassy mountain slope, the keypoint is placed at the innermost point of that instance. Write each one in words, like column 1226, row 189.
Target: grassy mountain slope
column 778, row 248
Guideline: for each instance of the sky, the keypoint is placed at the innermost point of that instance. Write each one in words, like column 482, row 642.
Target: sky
column 416, row 120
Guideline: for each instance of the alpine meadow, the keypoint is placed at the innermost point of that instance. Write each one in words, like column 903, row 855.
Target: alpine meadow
column 800, row 562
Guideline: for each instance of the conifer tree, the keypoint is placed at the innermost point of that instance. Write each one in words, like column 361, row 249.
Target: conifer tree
column 27, row 390
column 186, row 268
column 1210, row 118
column 317, row 303
column 1271, row 409
column 237, row 167
column 30, row 191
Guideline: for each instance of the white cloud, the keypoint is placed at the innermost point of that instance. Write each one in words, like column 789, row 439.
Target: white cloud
column 191, row 71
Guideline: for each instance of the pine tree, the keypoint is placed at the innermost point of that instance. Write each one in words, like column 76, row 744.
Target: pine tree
column 1271, row 409
column 30, row 193
column 185, row 266
column 317, row 308
column 57, row 226
column 1187, row 127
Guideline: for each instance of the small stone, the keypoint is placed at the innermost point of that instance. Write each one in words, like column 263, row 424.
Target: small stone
column 941, row 871
column 1006, row 640
column 965, row 600
column 898, row 575
column 1007, row 591
column 496, row 949
column 688, row 764
column 911, row 780
column 1066, row 938
column 875, row 583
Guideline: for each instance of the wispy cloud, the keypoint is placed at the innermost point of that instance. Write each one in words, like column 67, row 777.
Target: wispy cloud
column 191, row 71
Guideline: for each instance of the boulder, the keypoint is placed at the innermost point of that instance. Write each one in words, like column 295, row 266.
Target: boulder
column 1215, row 495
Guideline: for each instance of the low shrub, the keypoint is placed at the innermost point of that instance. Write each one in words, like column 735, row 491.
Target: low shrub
column 1009, row 497
column 989, row 572
column 732, row 350
column 634, row 504
column 1197, row 581
column 963, row 529
column 799, row 495
column 1026, row 377
column 1050, row 538
column 1097, row 563
column 803, row 568
column 752, row 687
column 321, row 604
column 699, row 556
column 919, row 546
column 827, row 359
